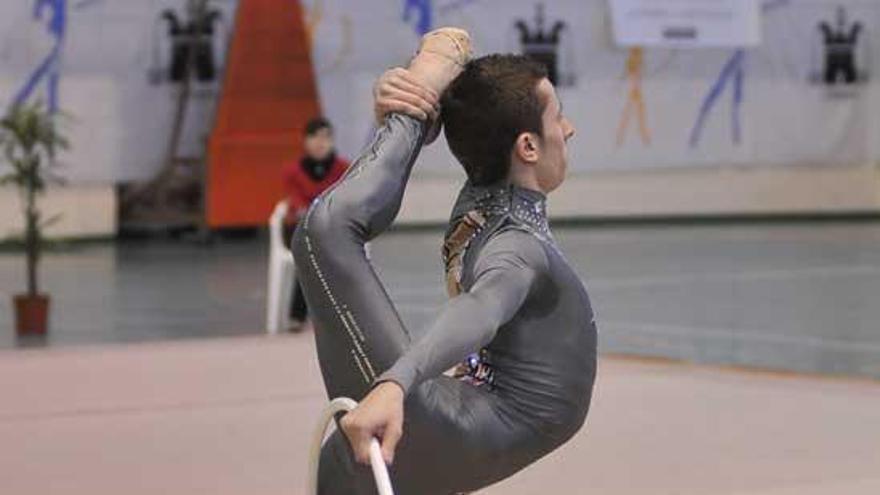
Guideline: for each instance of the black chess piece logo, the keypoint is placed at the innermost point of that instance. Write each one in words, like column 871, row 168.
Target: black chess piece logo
column 841, row 42
column 192, row 42
column 540, row 44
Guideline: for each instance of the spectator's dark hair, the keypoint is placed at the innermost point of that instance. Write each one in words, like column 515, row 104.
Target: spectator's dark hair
column 316, row 124
column 486, row 108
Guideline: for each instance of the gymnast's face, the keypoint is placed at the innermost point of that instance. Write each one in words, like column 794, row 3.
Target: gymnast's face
column 558, row 130
column 547, row 156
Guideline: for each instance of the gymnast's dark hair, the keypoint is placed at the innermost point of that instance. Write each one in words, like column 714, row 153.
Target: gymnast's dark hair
column 486, row 108
column 316, row 124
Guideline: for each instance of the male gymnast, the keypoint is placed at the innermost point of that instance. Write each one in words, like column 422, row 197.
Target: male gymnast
column 519, row 316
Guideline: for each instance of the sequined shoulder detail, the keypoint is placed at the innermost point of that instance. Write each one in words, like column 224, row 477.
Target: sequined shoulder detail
column 455, row 246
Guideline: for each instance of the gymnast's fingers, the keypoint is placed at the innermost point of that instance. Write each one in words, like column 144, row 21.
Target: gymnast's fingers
column 412, row 86
column 393, row 106
column 390, row 438
column 358, row 436
column 409, row 98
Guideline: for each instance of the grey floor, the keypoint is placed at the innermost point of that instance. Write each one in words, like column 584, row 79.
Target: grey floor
column 802, row 297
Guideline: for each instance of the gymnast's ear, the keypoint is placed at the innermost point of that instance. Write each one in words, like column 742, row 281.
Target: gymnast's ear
column 527, row 148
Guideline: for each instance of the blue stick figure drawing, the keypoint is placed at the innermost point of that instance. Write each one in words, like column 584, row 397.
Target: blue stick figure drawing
column 48, row 70
column 54, row 14
column 424, row 9
column 732, row 73
column 424, row 12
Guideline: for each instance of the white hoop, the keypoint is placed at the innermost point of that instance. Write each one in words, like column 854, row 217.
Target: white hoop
column 380, row 471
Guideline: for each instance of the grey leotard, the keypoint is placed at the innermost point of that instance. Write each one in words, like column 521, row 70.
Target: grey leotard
column 522, row 304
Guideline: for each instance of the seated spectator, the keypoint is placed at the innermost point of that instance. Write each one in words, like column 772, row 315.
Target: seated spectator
column 305, row 180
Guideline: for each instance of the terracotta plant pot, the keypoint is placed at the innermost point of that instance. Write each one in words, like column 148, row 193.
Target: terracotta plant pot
column 31, row 314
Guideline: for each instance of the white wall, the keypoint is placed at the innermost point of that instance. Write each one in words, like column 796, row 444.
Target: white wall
column 786, row 118
column 681, row 192
column 84, row 211
column 119, row 120
column 803, row 150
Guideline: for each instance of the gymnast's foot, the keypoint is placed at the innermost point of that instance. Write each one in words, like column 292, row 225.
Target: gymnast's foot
column 441, row 57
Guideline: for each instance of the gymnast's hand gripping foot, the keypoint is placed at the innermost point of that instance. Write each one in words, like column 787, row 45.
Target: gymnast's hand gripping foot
column 518, row 323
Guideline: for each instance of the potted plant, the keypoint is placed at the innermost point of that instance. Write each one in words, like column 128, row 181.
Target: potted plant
column 30, row 139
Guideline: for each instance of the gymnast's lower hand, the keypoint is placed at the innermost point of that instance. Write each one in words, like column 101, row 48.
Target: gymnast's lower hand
column 379, row 415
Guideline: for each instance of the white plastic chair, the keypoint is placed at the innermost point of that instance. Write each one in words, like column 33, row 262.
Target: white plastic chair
column 281, row 272
column 380, row 471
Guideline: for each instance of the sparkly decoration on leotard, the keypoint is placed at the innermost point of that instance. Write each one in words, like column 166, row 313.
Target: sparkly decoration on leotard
column 476, row 370
column 490, row 206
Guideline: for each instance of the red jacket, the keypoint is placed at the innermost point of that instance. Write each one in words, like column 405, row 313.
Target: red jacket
column 302, row 189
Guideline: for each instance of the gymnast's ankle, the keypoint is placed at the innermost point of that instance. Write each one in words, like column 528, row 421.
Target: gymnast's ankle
column 441, row 57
